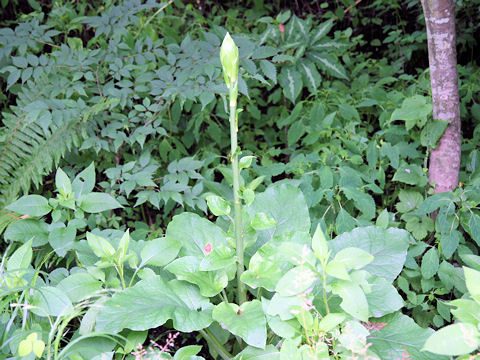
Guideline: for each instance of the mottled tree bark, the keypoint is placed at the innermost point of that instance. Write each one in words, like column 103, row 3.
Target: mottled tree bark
column 445, row 158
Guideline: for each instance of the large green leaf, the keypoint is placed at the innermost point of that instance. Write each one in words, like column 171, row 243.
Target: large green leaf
column 392, row 152
column 400, row 338
column 210, row 283
column 296, row 281
column 337, row 269
column 264, row 269
column 153, row 301
column 194, row 233
column 262, row 221
column 247, row 321
column 272, row 261
column 219, row 258
column 353, row 258
column 282, row 306
column 383, row 298
column 160, row 251
column 455, row 339
column 388, row 247
column 33, row 205
column 287, row 205
column 286, row 329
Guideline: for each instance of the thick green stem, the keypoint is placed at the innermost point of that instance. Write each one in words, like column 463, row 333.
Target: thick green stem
column 241, row 292
column 324, row 285
column 224, row 354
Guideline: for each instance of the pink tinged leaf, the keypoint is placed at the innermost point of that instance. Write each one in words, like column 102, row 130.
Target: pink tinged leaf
column 281, row 28
column 374, row 326
column 208, row 248
column 18, row 218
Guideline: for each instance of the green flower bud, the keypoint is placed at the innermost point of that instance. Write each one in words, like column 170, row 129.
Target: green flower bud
column 230, row 61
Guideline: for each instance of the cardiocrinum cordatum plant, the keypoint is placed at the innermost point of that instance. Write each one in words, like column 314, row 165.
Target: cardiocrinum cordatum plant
column 256, row 283
column 253, row 284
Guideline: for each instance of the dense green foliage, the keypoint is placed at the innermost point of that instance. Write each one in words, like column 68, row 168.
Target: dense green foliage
column 116, row 183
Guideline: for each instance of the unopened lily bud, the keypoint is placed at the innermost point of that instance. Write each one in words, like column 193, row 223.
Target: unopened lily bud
column 281, row 28
column 230, row 61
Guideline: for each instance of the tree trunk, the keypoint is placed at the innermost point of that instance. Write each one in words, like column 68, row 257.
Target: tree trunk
column 445, row 158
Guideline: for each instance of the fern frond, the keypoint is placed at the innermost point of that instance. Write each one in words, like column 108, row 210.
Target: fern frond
column 31, row 150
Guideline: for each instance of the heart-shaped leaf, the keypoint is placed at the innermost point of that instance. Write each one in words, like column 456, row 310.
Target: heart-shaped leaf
column 151, row 302
column 273, row 202
column 401, row 337
column 388, row 247
column 160, row 251
column 194, row 233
